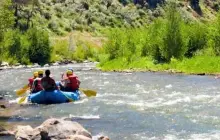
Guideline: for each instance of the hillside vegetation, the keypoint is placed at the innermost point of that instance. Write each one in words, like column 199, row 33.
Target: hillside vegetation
column 61, row 16
column 118, row 33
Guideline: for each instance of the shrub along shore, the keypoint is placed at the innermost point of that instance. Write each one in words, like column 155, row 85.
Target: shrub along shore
column 168, row 44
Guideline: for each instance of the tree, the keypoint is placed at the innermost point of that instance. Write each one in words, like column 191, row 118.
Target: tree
column 12, row 43
column 6, row 17
column 22, row 11
column 173, row 43
column 39, row 49
column 216, row 36
column 197, row 34
column 6, row 21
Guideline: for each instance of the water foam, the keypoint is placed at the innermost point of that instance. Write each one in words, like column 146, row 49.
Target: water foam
column 205, row 136
column 81, row 101
column 85, row 117
column 173, row 94
column 176, row 101
column 118, row 95
column 168, row 86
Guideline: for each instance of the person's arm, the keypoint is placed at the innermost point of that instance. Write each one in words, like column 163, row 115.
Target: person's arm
column 34, row 85
column 43, row 83
column 77, row 78
column 29, row 83
column 79, row 82
column 54, row 84
column 66, row 81
column 62, row 77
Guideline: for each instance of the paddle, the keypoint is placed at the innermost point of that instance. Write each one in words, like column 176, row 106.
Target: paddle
column 22, row 91
column 21, row 100
column 88, row 92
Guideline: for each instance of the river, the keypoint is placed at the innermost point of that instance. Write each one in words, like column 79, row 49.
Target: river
column 129, row 106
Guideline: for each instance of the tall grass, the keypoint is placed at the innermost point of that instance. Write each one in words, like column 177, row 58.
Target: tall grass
column 82, row 51
column 194, row 65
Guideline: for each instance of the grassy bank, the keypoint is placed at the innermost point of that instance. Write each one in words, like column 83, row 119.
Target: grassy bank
column 195, row 65
column 167, row 44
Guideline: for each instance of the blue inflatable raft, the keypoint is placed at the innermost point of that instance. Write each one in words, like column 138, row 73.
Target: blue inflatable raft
column 54, row 97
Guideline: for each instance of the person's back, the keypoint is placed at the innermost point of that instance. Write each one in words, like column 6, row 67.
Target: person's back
column 36, row 87
column 47, row 82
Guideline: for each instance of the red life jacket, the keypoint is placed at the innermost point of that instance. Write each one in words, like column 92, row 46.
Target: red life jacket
column 31, row 81
column 38, row 87
column 73, row 84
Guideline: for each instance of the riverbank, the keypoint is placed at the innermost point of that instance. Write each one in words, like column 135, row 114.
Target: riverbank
column 198, row 65
column 6, row 66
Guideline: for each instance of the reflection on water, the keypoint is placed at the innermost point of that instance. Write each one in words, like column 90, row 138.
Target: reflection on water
column 134, row 106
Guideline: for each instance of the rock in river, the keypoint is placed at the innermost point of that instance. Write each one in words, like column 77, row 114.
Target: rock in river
column 55, row 129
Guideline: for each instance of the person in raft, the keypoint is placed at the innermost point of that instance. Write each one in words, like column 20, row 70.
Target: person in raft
column 47, row 82
column 31, row 80
column 36, row 87
column 70, row 82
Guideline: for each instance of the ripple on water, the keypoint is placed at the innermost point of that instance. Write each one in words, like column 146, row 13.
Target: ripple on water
column 118, row 95
column 206, row 136
column 200, row 136
column 176, row 101
column 84, row 117
column 173, row 94
column 205, row 119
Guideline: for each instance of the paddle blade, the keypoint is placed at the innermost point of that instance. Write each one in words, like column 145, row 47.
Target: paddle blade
column 22, row 91
column 21, row 100
column 88, row 92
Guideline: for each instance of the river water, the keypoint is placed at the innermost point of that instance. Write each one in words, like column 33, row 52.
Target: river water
column 129, row 106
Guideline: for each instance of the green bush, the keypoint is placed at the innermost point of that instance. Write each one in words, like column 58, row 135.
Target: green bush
column 173, row 42
column 156, row 42
column 12, row 43
column 53, row 26
column 114, row 45
column 6, row 22
column 60, row 48
column 39, row 50
column 25, row 48
column 197, row 34
column 84, row 52
column 16, row 47
column 215, row 33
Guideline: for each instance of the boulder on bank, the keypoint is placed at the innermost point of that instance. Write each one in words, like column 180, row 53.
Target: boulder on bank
column 4, row 64
column 55, row 129
column 4, row 132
